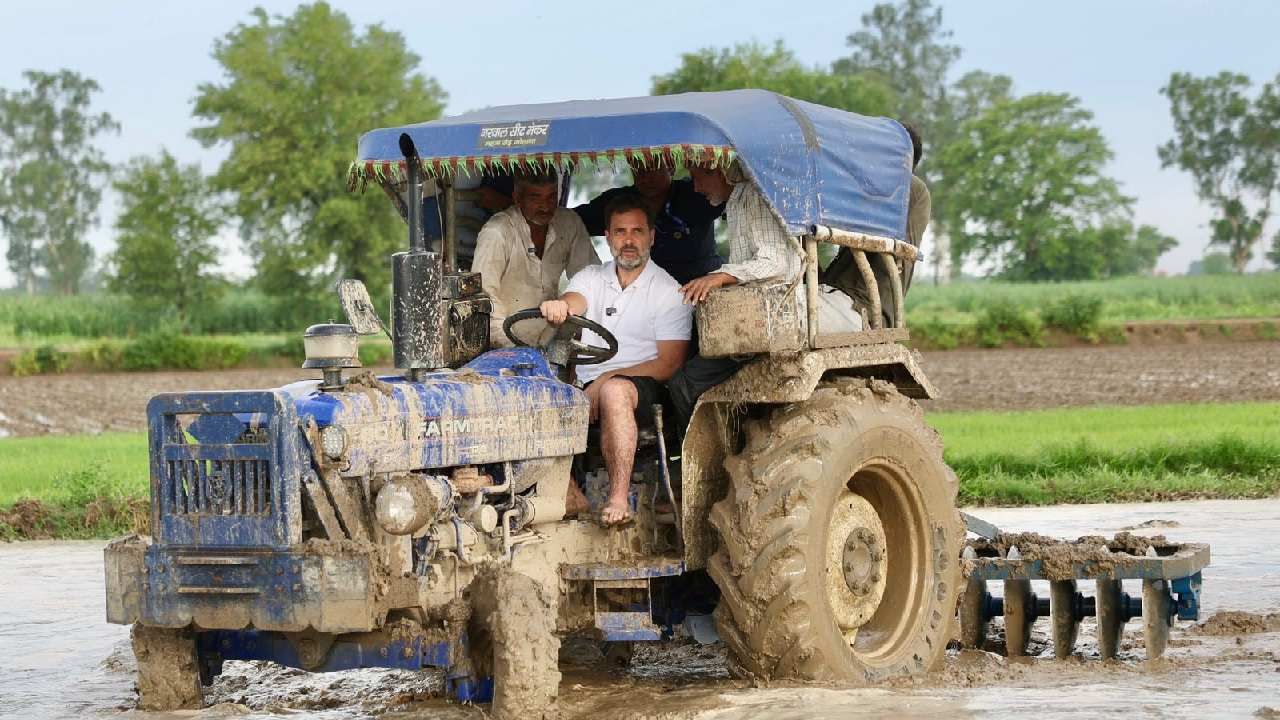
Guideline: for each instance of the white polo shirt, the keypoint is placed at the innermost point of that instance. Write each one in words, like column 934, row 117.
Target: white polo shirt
column 648, row 310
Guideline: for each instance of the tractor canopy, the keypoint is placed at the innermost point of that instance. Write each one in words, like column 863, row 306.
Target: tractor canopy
column 815, row 165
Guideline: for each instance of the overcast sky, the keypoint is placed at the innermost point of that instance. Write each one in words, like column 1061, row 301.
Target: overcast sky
column 149, row 57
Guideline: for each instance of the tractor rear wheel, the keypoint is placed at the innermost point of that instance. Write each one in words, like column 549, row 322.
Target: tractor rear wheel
column 840, row 540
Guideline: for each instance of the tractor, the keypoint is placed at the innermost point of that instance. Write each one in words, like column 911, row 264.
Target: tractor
column 417, row 520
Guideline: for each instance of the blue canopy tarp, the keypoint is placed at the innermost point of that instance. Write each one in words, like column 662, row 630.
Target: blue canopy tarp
column 814, row 164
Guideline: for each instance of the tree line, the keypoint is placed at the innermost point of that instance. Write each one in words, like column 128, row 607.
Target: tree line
column 1018, row 181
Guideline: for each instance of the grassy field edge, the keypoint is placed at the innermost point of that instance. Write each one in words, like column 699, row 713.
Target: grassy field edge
column 96, row 486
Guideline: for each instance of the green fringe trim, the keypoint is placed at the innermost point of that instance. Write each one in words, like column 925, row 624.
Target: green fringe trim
column 395, row 172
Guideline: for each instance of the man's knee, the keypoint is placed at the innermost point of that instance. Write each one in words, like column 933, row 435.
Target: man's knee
column 618, row 395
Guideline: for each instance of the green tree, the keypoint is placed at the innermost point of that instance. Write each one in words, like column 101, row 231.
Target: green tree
column 1214, row 263
column 1028, row 183
column 1274, row 253
column 1230, row 145
column 906, row 46
column 297, row 93
column 775, row 68
column 164, row 245
column 51, row 177
column 1113, row 248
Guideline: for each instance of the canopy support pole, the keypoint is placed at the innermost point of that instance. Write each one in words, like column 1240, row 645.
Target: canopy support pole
column 898, row 314
column 450, row 226
column 873, row 289
column 811, row 287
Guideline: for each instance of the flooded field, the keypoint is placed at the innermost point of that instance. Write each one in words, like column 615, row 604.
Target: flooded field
column 58, row 659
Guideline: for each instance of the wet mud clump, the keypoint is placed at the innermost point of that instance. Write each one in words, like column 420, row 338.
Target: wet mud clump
column 1236, row 622
column 1155, row 523
column 267, row 687
column 1059, row 558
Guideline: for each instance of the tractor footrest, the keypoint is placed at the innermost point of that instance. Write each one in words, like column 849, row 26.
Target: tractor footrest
column 621, row 600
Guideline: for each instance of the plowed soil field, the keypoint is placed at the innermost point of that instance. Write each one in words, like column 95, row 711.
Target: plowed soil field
column 1020, row 379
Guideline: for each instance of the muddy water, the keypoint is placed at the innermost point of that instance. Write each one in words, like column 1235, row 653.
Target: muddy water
column 58, row 659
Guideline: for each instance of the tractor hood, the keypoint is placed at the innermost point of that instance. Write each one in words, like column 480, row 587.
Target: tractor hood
column 504, row 405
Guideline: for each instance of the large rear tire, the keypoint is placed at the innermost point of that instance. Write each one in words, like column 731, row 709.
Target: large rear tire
column 840, row 541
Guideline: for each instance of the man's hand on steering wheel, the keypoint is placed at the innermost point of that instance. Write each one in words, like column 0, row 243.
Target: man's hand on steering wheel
column 562, row 348
column 555, row 311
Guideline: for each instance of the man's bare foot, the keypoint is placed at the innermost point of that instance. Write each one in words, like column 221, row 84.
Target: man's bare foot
column 615, row 512
column 575, row 503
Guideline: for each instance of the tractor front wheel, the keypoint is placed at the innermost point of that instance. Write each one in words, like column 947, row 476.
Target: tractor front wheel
column 840, row 540
column 168, row 675
column 513, row 640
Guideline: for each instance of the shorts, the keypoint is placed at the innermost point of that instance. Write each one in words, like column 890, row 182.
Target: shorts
column 650, row 392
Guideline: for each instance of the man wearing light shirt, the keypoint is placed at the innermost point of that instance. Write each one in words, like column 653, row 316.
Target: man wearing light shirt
column 640, row 304
column 760, row 249
column 521, row 252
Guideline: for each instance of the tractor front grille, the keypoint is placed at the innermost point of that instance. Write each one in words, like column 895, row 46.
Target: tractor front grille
column 239, row 486
column 226, row 469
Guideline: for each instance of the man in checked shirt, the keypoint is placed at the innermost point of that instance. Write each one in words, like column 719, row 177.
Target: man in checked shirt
column 760, row 248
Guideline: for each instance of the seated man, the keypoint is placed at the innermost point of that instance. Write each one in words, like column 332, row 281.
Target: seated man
column 522, row 251
column 843, row 273
column 760, row 248
column 684, row 241
column 640, row 304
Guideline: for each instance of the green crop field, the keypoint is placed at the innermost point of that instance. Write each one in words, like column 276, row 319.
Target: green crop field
column 1107, row 454
column 1112, row 454
column 1203, row 297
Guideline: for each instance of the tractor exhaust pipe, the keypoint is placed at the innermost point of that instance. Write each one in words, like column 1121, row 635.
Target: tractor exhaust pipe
column 417, row 311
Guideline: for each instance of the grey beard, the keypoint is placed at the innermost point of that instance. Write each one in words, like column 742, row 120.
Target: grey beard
column 640, row 260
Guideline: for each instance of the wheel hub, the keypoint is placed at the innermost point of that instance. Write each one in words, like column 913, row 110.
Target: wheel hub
column 863, row 556
column 857, row 561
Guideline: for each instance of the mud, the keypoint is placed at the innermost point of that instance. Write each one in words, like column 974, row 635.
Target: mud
column 1017, row 379
column 1030, row 379
column 1059, row 557
column 167, row 675
column 1154, row 523
column 60, row 660
column 1235, row 622
column 521, row 624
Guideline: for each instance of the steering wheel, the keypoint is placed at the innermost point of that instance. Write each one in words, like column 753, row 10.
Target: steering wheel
column 563, row 348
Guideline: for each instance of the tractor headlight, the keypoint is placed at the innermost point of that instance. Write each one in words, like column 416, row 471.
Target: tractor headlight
column 333, row 441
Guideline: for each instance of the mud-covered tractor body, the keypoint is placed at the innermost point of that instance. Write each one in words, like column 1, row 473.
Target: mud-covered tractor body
column 417, row 520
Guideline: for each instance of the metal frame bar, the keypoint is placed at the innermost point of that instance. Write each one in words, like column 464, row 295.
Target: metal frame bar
column 893, row 254
column 450, row 226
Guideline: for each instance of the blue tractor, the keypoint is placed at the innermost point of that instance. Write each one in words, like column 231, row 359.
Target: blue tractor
column 417, row 520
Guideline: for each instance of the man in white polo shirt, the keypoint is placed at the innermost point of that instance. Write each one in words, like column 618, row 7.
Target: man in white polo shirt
column 641, row 305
